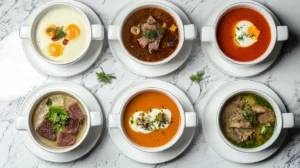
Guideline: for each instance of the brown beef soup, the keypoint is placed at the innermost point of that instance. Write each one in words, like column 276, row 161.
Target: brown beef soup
column 150, row 34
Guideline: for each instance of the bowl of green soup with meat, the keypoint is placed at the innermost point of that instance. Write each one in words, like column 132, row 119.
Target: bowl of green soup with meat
column 151, row 33
column 250, row 120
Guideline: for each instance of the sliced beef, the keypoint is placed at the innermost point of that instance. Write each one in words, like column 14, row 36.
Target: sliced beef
column 244, row 134
column 238, row 121
column 260, row 109
column 147, row 26
column 72, row 126
column 46, row 131
column 154, row 46
column 143, row 41
column 75, row 112
column 265, row 118
column 151, row 20
column 65, row 139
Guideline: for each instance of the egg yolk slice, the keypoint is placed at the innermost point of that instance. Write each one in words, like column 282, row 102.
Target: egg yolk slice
column 50, row 31
column 253, row 32
column 73, row 31
column 55, row 49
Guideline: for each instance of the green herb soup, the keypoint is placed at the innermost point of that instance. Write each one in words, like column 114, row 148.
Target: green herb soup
column 248, row 120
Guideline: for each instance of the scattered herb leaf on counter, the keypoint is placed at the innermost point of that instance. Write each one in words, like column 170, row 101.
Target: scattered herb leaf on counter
column 49, row 102
column 104, row 77
column 58, row 116
column 197, row 78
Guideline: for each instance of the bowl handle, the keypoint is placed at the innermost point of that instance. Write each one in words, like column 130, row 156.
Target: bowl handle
column 288, row 120
column 190, row 32
column 113, row 32
column 282, row 33
column 96, row 118
column 113, row 120
column 97, row 32
column 190, row 119
column 207, row 34
column 24, row 32
column 22, row 123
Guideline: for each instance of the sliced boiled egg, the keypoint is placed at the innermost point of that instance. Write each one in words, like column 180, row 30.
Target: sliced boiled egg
column 246, row 34
column 73, row 31
column 55, row 49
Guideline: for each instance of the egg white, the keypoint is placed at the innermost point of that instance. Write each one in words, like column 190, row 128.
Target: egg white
column 61, row 16
column 242, row 38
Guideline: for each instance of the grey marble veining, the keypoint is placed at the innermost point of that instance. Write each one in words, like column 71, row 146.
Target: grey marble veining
column 18, row 78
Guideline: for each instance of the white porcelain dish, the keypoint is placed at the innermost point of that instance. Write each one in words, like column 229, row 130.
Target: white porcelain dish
column 150, row 157
column 24, row 122
column 186, row 32
column 283, row 120
column 94, row 32
column 278, row 33
column 210, row 125
column 187, row 119
column 88, row 143
column 67, row 70
column 229, row 68
column 145, row 70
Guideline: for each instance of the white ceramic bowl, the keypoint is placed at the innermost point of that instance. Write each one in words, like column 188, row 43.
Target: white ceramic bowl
column 278, row 33
column 283, row 120
column 94, row 32
column 24, row 123
column 186, row 32
column 188, row 119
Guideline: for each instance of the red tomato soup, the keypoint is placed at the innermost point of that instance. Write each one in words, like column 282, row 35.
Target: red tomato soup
column 243, row 34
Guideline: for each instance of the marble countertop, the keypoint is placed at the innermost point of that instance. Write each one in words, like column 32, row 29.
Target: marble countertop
column 18, row 78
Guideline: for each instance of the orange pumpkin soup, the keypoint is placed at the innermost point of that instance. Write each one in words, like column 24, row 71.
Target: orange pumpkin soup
column 243, row 34
column 151, row 119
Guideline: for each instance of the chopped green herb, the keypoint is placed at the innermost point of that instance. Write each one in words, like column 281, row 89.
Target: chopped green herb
column 60, row 34
column 249, row 117
column 49, row 102
column 105, row 78
column 197, row 78
column 238, row 28
column 153, row 33
column 58, row 116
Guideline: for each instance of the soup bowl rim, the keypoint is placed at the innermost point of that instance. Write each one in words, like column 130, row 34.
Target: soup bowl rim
column 31, row 130
column 176, row 136
column 278, row 122
column 168, row 10
column 265, row 14
column 32, row 31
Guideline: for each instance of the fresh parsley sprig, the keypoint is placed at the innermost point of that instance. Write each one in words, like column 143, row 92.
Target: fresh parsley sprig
column 197, row 78
column 57, row 115
column 104, row 77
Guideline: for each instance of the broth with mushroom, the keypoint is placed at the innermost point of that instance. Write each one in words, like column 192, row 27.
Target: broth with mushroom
column 59, row 121
column 247, row 120
column 150, row 34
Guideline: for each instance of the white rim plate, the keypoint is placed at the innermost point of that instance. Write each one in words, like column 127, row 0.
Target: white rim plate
column 65, row 70
column 92, row 137
column 146, row 157
column 209, row 123
column 227, row 67
column 144, row 70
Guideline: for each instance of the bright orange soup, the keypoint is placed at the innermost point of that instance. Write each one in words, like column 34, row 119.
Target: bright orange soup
column 149, row 100
column 226, row 30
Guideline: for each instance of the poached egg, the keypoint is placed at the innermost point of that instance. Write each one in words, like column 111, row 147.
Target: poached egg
column 246, row 34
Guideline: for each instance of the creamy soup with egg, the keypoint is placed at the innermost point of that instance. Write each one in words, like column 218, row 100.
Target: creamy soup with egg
column 243, row 34
column 151, row 119
column 60, row 35
column 59, row 121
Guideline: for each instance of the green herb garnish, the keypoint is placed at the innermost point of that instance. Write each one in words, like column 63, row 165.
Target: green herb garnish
column 197, row 78
column 249, row 117
column 58, row 116
column 153, row 33
column 264, row 130
column 59, row 34
column 49, row 102
column 105, row 78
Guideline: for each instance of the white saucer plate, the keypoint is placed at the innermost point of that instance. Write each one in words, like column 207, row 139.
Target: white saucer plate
column 209, row 123
column 149, row 157
column 68, row 70
column 144, row 70
column 92, row 137
column 227, row 67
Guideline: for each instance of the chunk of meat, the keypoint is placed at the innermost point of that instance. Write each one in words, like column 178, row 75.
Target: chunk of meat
column 65, row 139
column 244, row 134
column 260, row 109
column 72, row 126
column 265, row 118
column 238, row 121
column 46, row 131
column 154, row 46
column 151, row 20
column 75, row 112
column 143, row 41
column 147, row 26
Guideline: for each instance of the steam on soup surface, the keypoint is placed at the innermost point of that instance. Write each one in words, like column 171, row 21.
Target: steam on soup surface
column 248, row 120
column 151, row 119
column 59, row 121
column 150, row 34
